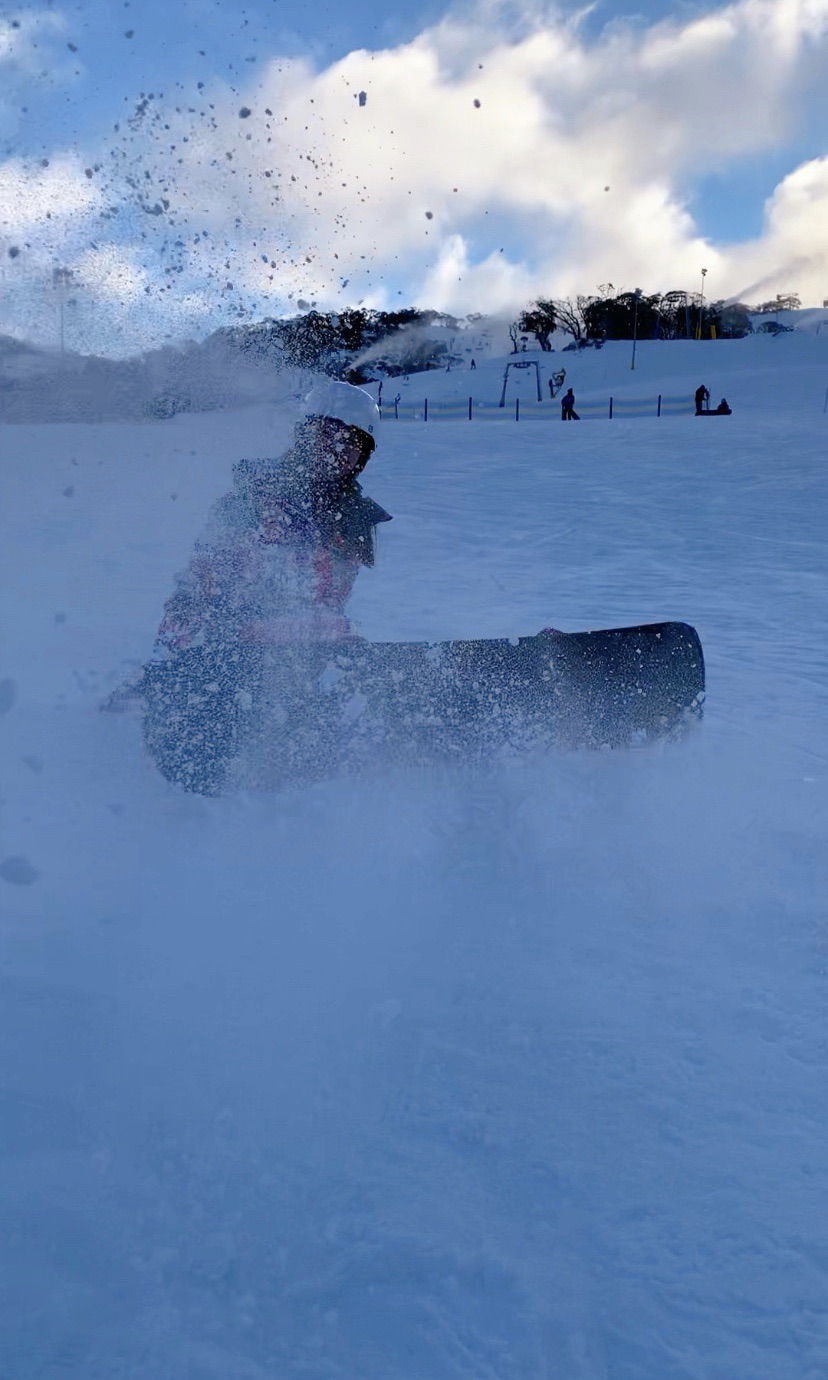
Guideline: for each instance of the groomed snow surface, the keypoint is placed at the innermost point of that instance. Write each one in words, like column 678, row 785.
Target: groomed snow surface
column 515, row 1074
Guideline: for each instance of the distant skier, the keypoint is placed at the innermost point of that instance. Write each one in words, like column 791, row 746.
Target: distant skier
column 724, row 409
column 568, row 413
column 702, row 398
column 274, row 567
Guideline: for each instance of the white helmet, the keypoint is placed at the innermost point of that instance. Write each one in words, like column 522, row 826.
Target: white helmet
column 343, row 403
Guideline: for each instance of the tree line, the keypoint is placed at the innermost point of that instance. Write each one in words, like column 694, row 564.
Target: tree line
column 359, row 344
column 608, row 315
column 394, row 342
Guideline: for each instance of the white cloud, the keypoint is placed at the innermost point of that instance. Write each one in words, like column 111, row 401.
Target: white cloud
column 793, row 250
column 54, row 190
column 587, row 145
column 112, row 274
column 500, row 154
column 21, row 36
column 454, row 281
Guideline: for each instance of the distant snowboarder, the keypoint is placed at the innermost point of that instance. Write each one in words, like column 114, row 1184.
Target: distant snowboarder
column 275, row 565
column 556, row 382
column 724, row 409
column 568, row 413
column 702, row 398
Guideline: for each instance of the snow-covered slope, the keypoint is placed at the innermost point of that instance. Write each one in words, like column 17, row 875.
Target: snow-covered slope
column 39, row 385
column 432, row 1076
column 785, row 374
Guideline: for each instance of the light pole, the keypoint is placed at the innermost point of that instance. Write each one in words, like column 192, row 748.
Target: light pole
column 635, row 326
column 63, row 279
column 701, row 304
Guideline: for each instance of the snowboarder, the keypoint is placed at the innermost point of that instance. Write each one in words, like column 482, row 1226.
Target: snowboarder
column 275, row 566
column 702, row 398
column 568, row 413
column 724, row 409
column 556, row 382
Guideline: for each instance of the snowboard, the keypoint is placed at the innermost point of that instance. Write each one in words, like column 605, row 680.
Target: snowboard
column 216, row 720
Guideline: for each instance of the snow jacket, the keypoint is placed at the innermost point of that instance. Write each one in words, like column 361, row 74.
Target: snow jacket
column 272, row 568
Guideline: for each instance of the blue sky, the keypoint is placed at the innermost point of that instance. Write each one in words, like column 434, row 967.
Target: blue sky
column 501, row 150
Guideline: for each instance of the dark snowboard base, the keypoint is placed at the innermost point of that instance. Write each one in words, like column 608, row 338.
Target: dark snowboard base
column 217, row 721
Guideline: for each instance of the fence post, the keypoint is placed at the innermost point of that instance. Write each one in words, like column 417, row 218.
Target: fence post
column 658, row 409
column 470, row 409
column 610, row 411
column 517, row 409
column 425, row 411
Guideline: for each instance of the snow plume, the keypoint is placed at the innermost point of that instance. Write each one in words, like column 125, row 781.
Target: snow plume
column 40, row 385
column 31, row 51
column 500, row 154
column 411, row 346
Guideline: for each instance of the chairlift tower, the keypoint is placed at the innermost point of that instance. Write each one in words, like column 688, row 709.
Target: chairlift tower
column 520, row 364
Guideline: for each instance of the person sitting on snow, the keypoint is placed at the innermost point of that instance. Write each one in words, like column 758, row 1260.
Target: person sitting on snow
column 724, row 409
column 273, row 569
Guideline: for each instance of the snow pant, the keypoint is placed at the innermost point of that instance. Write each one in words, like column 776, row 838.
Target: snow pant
column 568, row 414
column 254, row 709
column 193, row 707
